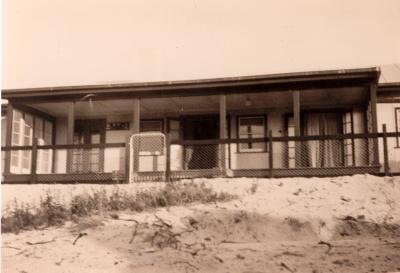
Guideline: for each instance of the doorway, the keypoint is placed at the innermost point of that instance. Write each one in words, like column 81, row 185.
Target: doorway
column 200, row 128
column 89, row 160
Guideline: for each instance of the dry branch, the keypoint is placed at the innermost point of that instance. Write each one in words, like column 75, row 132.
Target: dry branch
column 219, row 259
column 327, row 244
column 41, row 242
column 287, row 267
column 134, row 233
column 16, row 248
column 78, row 237
column 162, row 221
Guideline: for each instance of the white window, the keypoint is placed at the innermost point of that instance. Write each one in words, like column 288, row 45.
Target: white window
column 22, row 135
column 24, row 128
column 252, row 127
column 44, row 134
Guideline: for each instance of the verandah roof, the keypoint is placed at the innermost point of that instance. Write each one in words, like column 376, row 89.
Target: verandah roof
column 273, row 82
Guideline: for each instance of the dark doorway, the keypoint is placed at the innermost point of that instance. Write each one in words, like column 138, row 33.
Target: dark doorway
column 89, row 160
column 200, row 128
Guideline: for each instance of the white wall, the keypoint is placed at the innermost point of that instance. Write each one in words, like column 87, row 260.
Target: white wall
column 386, row 115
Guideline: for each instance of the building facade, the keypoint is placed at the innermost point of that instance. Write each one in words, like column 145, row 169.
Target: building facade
column 297, row 124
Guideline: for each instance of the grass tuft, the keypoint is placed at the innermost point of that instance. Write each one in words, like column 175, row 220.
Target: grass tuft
column 51, row 213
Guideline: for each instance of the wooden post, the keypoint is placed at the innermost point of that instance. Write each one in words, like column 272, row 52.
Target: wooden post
column 71, row 123
column 136, row 117
column 136, row 130
column 168, row 158
column 7, row 159
column 297, row 126
column 70, row 134
column 270, row 154
column 296, row 113
column 385, row 151
column 374, row 119
column 222, row 129
column 34, row 160
column 127, row 159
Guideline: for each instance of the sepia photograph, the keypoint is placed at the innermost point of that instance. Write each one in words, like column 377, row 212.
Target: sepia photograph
column 200, row 136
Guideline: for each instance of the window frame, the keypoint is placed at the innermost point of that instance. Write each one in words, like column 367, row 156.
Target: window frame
column 252, row 150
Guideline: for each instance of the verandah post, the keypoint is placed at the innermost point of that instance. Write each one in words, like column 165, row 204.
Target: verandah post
column 127, row 159
column 373, row 101
column 270, row 154
column 70, row 134
column 34, row 160
column 297, row 126
column 222, row 130
column 385, row 151
column 168, row 158
column 136, row 130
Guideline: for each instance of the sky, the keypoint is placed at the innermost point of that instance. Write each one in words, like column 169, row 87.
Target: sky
column 77, row 42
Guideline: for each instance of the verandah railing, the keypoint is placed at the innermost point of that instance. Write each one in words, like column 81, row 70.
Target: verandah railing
column 64, row 163
column 329, row 155
column 323, row 155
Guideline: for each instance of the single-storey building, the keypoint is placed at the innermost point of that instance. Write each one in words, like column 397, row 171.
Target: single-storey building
column 296, row 124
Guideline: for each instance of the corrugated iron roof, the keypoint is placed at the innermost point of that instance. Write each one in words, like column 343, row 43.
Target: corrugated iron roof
column 390, row 73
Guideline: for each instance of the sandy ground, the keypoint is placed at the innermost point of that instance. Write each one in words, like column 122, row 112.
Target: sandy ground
column 343, row 224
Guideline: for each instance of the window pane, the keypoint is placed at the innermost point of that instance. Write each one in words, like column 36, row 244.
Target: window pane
column 244, row 129
column 151, row 126
column 17, row 115
column 95, row 138
column 16, row 128
column 244, row 146
column 252, row 121
column 260, row 146
column 39, row 130
column 252, row 125
column 48, row 132
column 28, row 120
column 257, row 129
column 28, row 132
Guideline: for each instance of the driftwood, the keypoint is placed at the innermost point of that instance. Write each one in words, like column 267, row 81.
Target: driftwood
column 287, row 267
column 218, row 259
column 232, row 242
column 11, row 247
column 162, row 221
column 78, row 237
column 288, row 253
column 16, row 248
column 41, row 242
column 327, row 244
